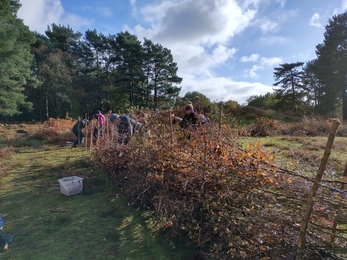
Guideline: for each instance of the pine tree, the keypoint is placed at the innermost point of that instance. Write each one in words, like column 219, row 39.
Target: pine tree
column 161, row 74
column 289, row 80
column 331, row 65
column 15, row 59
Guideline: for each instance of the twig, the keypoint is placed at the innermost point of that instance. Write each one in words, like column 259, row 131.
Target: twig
column 57, row 210
column 139, row 196
column 47, row 185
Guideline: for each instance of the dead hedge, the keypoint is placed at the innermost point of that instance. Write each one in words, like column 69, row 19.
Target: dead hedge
column 226, row 201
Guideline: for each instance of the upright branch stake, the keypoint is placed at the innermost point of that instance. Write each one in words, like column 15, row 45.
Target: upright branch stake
column 85, row 120
column 170, row 118
column 311, row 198
column 106, row 133
column 91, row 137
column 78, row 128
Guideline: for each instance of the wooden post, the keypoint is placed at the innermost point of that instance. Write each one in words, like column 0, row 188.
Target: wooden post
column 78, row 128
column 310, row 201
column 91, row 136
column 86, row 126
column 170, row 118
column 106, row 129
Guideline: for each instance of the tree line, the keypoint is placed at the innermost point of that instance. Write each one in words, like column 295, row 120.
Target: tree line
column 316, row 86
column 64, row 73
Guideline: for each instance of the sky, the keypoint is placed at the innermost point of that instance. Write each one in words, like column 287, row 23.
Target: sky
column 224, row 49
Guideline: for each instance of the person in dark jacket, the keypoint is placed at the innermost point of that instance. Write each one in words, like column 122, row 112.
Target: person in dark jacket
column 77, row 130
column 126, row 127
column 190, row 118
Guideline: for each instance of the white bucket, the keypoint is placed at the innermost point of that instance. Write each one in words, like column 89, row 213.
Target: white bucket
column 71, row 185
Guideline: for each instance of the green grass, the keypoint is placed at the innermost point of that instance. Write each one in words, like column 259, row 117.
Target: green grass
column 95, row 224
column 305, row 151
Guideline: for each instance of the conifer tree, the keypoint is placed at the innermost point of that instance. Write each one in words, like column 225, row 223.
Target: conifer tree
column 15, row 59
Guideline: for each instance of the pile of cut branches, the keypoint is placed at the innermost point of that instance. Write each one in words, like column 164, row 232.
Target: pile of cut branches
column 227, row 201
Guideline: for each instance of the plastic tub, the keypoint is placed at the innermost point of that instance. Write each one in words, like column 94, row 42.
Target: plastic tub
column 71, row 185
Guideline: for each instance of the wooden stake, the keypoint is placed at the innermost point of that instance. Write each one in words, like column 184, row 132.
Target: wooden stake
column 310, row 201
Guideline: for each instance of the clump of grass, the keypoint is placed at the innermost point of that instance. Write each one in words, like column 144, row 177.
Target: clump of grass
column 6, row 151
column 18, row 142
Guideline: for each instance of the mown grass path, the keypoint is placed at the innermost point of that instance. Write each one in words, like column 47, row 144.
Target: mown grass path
column 95, row 224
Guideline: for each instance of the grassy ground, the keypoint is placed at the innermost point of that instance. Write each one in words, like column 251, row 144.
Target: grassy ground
column 95, row 224
column 305, row 151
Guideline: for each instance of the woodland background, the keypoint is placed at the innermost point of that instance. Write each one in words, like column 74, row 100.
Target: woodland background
column 65, row 73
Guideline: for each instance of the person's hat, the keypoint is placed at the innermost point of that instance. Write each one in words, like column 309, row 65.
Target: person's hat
column 188, row 107
column 113, row 117
column 98, row 112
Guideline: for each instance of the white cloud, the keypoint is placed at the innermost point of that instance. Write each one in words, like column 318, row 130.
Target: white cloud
column 46, row 12
column 198, row 33
column 342, row 8
column 196, row 22
column 133, row 6
column 268, row 26
column 245, row 4
column 315, row 20
column 272, row 40
column 282, row 3
column 274, row 61
column 224, row 89
column 252, row 58
column 74, row 21
column 154, row 13
column 263, row 63
column 38, row 14
column 252, row 73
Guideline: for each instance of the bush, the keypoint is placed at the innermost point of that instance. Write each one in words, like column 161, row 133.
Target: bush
column 310, row 126
column 265, row 127
column 55, row 131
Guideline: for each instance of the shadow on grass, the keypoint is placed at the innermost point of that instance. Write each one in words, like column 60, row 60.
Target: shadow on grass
column 95, row 224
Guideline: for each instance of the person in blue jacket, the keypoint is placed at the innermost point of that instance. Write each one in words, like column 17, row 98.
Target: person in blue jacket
column 77, row 130
column 126, row 127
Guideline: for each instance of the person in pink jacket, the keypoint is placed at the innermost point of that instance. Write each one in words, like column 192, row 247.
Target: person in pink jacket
column 99, row 129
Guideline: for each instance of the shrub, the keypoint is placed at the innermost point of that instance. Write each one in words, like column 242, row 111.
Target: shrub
column 265, row 127
column 311, row 126
column 55, row 131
